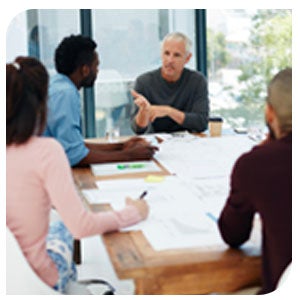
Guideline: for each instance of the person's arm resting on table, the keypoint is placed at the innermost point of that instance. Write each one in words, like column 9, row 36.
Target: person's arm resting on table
column 235, row 222
column 134, row 148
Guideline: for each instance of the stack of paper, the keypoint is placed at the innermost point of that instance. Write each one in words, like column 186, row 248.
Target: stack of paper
column 184, row 209
column 192, row 157
column 178, row 217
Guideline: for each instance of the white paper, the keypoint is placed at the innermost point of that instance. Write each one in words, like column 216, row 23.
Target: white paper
column 194, row 157
column 177, row 217
column 184, row 209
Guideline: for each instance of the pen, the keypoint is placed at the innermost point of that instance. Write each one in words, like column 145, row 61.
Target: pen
column 212, row 217
column 130, row 166
column 143, row 194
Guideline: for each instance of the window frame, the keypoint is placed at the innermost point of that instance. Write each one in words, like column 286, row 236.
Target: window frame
column 89, row 122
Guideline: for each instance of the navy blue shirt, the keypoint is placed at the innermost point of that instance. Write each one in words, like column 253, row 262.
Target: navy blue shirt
column 188, row 94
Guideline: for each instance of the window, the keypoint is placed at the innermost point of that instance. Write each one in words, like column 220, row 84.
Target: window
column 245, row 50
column 128, row 48
column 44, row 36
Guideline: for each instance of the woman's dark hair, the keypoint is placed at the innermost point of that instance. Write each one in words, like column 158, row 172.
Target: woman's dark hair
column 26, row 99
column 73, row 52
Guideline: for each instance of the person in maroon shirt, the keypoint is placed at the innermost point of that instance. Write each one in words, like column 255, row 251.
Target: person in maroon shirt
column 261, row 182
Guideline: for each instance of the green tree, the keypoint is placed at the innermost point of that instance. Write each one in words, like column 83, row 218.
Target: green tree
column 271, row 50
column 268, row 50
column 217, row 55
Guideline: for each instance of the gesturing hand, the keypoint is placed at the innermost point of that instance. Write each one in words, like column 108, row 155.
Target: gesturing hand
column 142, row 118
column 140, row 101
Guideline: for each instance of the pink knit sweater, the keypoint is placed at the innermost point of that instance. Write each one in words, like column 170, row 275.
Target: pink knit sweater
column 38, row 177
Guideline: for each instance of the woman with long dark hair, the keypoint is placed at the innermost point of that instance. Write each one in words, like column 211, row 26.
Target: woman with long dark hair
column 38, row 177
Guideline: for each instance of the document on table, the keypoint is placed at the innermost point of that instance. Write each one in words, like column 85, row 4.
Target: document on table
column 177, row 218
column 215, row 192
column 193, row 157
column 115, row 191
column 164, row 136
column 184, row 209
column 188, row 231
column 124, row 168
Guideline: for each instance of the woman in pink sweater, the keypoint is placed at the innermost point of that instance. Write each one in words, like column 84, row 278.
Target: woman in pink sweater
column 38, row 177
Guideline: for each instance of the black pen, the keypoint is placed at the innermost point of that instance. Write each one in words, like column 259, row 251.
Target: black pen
column 143, row 195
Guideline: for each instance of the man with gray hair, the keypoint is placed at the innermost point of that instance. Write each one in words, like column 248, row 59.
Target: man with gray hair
column 261, row 182
column 171, row 98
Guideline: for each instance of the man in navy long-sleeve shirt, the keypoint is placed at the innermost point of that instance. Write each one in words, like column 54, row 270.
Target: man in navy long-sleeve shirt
column 261, row 183
column 171, row 98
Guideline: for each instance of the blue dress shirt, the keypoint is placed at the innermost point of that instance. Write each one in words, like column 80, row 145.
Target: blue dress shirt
column 64, row 117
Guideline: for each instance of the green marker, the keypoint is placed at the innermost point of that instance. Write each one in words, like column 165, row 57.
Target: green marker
column 130, row 166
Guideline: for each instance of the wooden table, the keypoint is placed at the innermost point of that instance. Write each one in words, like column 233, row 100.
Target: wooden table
column 200, row 270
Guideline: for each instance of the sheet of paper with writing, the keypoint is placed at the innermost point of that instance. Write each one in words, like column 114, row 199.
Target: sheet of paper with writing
column 202, row 157
column 178, row 217
column 184, row 208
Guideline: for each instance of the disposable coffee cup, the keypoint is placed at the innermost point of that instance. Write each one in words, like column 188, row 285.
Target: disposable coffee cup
column 215, row 126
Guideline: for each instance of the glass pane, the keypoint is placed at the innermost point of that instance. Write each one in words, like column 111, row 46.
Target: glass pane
column 245, row 50
column 44, row 37
column 129, row 45
column 66, row 22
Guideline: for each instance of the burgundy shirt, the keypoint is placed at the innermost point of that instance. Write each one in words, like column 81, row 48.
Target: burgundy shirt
column 261, row 182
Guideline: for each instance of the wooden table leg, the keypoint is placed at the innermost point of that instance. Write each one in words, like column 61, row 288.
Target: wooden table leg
column 77, row 252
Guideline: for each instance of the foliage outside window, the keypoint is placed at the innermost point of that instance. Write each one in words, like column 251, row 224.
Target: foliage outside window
column 240, row 70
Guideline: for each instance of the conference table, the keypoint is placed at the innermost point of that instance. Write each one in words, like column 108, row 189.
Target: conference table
column 198, row 270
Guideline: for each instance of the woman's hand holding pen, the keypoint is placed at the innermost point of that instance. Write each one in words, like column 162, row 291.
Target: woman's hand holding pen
column 141, row 205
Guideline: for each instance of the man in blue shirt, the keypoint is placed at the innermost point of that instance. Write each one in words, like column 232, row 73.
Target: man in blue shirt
column 77, row 62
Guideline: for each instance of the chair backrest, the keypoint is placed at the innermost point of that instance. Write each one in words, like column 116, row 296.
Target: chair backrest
column 20, row 278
